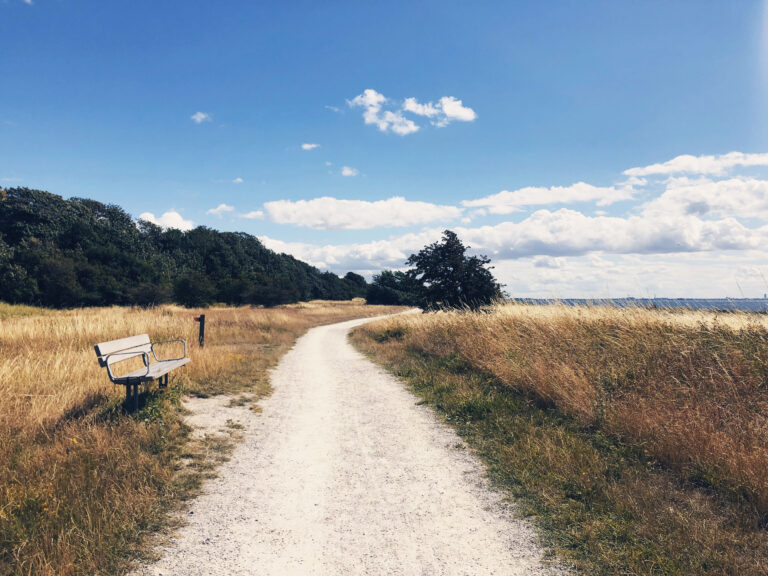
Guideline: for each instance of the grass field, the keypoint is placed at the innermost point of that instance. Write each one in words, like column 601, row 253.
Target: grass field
column 81, row 483
column 636, row 439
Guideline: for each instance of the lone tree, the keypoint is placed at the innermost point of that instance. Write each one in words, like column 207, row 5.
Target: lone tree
column 448, row 278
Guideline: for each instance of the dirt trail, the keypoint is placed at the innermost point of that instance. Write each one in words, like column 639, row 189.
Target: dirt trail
column 343, row 473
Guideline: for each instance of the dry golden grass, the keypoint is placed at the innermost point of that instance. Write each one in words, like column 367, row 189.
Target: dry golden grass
column 640, row 436
column 80, row 481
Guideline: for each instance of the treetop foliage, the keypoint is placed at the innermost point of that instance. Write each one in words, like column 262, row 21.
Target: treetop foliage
column 79, row 252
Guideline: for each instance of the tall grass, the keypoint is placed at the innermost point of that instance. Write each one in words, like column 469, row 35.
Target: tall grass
column 652, row 424
column 81, row 482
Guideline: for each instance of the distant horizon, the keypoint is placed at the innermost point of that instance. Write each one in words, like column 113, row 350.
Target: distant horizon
column 717, row 304
column 589, row 149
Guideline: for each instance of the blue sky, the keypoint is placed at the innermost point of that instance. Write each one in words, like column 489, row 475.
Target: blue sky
column 528, row 127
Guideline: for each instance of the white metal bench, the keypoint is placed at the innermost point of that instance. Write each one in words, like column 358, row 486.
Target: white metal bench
column 114, row 351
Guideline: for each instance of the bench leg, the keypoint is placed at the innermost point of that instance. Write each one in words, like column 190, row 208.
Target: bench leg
column 131, row 397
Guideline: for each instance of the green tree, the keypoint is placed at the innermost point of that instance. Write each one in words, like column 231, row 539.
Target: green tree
column 393, row 289
column 448, row 278
column 194, row 290
column 355, row 284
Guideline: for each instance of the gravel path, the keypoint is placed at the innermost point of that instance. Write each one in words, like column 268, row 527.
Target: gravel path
column 343, row 473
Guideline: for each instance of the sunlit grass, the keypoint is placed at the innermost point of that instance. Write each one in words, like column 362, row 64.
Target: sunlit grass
column 82, row 483
column 639, row 438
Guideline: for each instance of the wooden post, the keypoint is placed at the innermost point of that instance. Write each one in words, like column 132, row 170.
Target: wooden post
column 201, row 337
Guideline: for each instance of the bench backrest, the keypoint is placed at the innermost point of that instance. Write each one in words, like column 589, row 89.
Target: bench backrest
column 128, row 347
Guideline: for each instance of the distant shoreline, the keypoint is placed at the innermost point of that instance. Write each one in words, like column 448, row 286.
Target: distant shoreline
column 726, row 304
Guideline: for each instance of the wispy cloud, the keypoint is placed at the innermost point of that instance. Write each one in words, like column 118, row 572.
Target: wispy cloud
column 200, row 117
column 238, row 180
column 349, row 171
column 329, row 213
column 220, row 209
column 254, row 215
column 170, row 219
column 308, row 146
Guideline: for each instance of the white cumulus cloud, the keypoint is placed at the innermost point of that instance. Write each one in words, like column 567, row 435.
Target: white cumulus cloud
column 701, row 230
column 738, row 197
column 329, row 213
column 453, row 109
column 253, row 215
column 714, row 165
column 568, row 232
column 349, row 171
column 551, row 235
column 385, row 120
column 506, row 201
column 238, row 181
column 309, row 146
column 170, row 219
column 200, row 117
column 412, row 105
column 443, row 113
column 692, row 275
column 375, row 255
column 387, row 116
column 220, row 209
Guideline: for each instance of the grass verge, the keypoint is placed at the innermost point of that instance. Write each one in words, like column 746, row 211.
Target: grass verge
column 621, row 433
column 82, row 484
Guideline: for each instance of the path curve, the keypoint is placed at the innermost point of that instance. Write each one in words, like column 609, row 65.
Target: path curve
column 342, row 473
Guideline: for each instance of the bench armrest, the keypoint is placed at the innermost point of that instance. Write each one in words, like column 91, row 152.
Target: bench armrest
column 144, row 357
column 168, row 342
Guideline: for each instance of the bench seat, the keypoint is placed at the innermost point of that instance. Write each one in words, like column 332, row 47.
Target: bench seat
column 156, row 370
column 134, row 347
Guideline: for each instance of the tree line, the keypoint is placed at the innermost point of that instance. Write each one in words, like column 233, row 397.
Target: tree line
column 74, row 252
column 79, row 252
